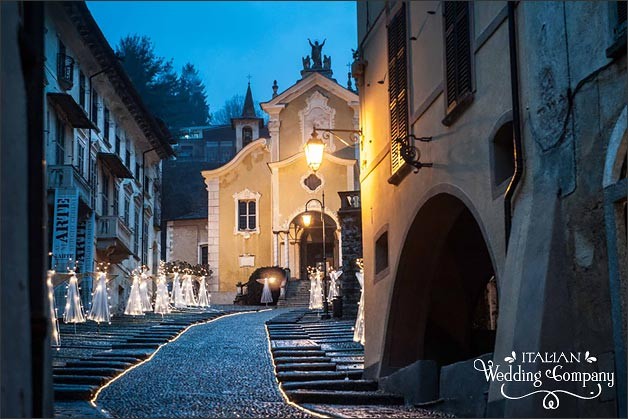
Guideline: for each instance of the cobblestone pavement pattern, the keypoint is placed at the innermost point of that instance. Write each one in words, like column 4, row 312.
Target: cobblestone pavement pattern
column 219, row 369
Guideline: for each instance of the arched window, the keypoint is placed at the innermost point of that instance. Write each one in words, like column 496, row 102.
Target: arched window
column 503, row 154
column 247, row 136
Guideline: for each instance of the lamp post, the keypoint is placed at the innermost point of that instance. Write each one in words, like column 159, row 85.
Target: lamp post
column 307, row 220
column 314, row 150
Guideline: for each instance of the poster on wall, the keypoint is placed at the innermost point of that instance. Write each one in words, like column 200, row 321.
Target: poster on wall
column 64, row 228
column 85, row 243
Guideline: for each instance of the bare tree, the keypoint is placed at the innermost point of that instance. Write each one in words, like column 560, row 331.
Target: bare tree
column 233, row 109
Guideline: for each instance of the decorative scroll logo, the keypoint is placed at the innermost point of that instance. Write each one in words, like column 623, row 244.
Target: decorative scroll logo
column 555, row 368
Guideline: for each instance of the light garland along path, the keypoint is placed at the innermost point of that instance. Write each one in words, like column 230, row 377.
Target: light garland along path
column 218, row 369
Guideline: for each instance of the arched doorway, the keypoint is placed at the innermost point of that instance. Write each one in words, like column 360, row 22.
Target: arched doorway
column 444, row 305
column 309, row 242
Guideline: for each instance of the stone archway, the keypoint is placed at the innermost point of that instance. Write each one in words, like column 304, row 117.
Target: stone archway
column 444, row 302
column 308, row 243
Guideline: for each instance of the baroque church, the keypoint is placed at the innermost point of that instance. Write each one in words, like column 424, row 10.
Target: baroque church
column 254, row 202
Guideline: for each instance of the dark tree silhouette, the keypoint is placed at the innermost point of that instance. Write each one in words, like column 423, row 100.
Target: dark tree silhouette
column 179, row 101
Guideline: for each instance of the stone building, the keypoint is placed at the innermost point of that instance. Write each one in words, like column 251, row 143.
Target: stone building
column 493, row 178
column 185, row 207
column 25, row 370
column 103, row 156
column 255, row 200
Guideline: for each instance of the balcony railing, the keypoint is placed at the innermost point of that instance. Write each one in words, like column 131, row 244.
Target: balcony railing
column 349, row 200
column 65, row 71
column 67, row 177
column 114, row 238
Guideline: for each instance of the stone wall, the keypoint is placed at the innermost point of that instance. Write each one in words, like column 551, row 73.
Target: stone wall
column 351, row 227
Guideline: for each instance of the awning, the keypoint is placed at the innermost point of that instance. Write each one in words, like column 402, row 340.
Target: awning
column 70, row 111
column 115, row 165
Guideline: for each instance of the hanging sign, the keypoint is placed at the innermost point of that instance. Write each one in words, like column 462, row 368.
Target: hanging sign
column 64, row 228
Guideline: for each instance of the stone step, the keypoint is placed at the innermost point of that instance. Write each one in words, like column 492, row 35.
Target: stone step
column 297, row 347
column 307, row 366
column 300, row 359
column 345, row 385
column 98, row 364
column 106, row 372
column 132, row 353
column 296, row 353
column 135, row 346
column 73, row 391
column 147, row 340
column 344, row 397
column 127, row 359
column 345, row 353
column 290, row 376
column 80, row 379
column 283, row 336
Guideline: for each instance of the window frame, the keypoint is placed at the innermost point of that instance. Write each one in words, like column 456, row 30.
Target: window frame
column 249, row 197
column 80, row 156
column 94, row 107
column 454, row 110
column 202, row 246
column 104, row 198
column 396, row 69
column 82, row 90
column 106, row 126
column 60, row 138
column 249, row 130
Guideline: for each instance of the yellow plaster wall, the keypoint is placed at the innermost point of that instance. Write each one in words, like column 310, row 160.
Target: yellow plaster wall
column 292, row 197
column 252, row 172
column 290, row 139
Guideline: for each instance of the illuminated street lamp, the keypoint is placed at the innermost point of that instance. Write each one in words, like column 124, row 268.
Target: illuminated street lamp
column 314, row 149
column 307, row 219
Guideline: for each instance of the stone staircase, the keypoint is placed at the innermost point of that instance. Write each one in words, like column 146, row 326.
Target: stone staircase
column 297, row 294
column 91, row 355
column 319, row 363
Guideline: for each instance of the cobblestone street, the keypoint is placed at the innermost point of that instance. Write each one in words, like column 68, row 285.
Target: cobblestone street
column 219, row 369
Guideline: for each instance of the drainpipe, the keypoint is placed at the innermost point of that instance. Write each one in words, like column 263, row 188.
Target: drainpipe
column 516, row 120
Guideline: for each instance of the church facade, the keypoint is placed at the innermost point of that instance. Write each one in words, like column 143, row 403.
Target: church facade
column 255, row 201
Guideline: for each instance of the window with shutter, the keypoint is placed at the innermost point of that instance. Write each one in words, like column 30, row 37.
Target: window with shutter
column 458, row 73
column 397, row 86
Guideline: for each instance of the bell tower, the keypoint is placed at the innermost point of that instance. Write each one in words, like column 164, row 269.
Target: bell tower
column 247, row 126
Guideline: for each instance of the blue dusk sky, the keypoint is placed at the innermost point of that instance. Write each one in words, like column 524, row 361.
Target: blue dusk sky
column 227, row 41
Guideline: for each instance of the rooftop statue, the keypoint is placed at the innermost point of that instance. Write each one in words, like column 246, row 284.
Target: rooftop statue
column 316, row 53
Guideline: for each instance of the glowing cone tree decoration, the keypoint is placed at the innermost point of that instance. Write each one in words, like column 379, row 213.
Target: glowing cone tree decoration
column 177, row 293
column 134, row 305
column 333, row 284
column 267, row 296
column 203, row 297
column 188, row 291
column 144, row 280
column 316, row 293
column 73, row 312
column 55, row 337
column 162, row 305
column 100, row 301
column 358, row 332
